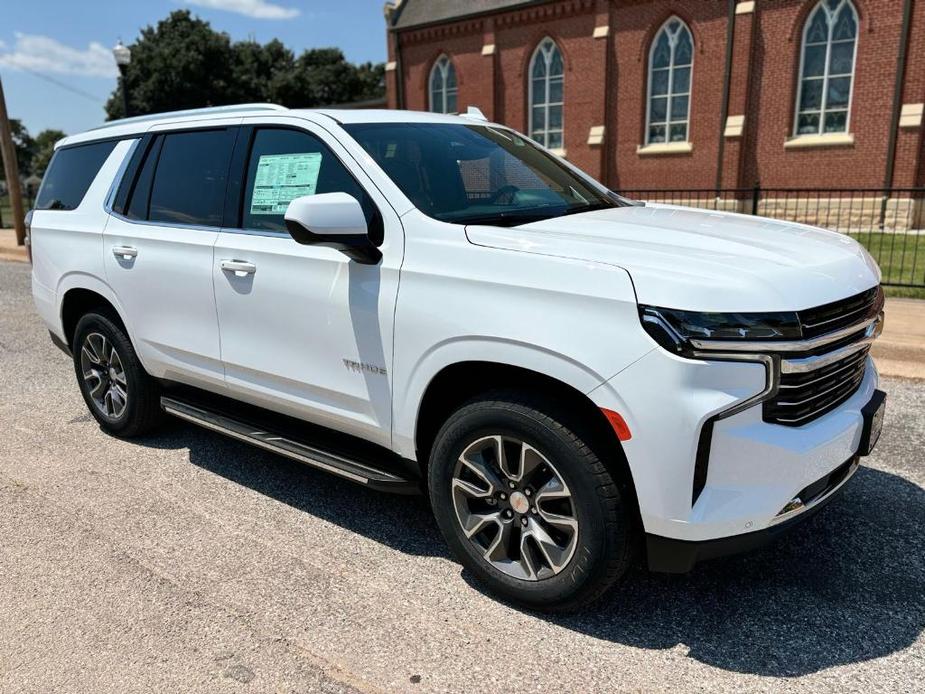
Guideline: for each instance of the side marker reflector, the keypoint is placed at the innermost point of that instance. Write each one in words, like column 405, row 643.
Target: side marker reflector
column 618, row 423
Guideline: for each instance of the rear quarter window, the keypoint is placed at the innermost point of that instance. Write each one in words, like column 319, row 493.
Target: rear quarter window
column 70, row 174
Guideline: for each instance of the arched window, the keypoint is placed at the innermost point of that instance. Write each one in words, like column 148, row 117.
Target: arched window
column 671, row 59
column 827, row 68
column 546, row 81
column 443, row 86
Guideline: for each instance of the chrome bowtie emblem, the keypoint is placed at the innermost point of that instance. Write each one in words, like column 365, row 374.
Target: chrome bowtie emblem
column 519, row 502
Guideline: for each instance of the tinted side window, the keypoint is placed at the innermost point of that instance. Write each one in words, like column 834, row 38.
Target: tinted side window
column 70, row 174
column 141, row 193
column 189, row 183
column 287, row 164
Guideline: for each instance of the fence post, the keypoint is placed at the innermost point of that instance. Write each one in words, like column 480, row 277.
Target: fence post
column 883, row 201
column 756, row 196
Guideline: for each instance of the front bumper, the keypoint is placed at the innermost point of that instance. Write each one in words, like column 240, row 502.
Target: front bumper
column 671, row 555
column 755, row 468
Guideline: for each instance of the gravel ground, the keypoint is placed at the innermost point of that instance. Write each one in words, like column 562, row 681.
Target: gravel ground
column 186, row 561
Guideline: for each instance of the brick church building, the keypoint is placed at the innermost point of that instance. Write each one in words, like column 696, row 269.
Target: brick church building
column 693, row 94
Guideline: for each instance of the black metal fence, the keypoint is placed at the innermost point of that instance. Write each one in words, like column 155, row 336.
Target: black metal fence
column 890, row 223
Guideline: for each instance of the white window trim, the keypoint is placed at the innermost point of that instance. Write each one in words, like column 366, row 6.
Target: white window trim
column 823, row 140
column 539, row 52
column 668, row 94
column 443, row 64
column 658, row 148
column 825, row 75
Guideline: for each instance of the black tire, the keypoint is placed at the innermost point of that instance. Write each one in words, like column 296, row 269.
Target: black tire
column 142, row 410
column 607, row 535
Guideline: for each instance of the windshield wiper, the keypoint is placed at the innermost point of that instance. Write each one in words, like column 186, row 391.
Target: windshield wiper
column 588, row 208
column 502, row 219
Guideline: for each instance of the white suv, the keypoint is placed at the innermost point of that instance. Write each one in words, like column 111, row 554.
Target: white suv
column 425, row 302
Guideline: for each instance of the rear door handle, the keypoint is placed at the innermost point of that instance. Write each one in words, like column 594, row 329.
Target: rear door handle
column 124, row 252
column 240, row 268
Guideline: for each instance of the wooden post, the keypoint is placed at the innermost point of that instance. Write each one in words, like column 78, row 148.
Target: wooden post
column 11, row 168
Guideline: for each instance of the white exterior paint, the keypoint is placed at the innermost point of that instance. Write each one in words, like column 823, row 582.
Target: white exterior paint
column 558, row 297
column 681, row 257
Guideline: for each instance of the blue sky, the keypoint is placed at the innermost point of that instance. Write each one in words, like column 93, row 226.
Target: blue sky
column 68, row 43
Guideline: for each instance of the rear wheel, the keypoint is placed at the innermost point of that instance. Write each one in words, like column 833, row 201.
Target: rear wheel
column 526, row 504
column 122, row 397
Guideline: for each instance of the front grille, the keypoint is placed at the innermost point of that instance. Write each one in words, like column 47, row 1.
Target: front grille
column 803, row 397
column 840, row 314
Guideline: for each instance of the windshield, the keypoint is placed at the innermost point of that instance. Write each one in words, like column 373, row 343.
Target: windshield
column 477, row 174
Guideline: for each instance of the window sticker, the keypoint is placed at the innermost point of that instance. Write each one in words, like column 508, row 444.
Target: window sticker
column 283, row 177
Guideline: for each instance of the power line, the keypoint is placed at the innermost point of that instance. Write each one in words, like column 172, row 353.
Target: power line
column 63, row 85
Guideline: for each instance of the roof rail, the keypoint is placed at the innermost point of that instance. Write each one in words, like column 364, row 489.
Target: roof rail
column 209, row 110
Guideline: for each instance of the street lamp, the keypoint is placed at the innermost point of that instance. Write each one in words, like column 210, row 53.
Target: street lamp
column 123, row 56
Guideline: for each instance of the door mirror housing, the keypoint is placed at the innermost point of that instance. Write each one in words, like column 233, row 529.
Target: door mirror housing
column 335, row 220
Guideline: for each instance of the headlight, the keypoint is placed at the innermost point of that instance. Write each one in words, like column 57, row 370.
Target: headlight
column 673, row 329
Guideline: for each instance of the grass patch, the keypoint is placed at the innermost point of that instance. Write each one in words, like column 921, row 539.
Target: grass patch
column 905, row 292
column 902, row 261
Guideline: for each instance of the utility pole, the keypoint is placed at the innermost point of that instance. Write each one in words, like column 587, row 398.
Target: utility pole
column 11, row 168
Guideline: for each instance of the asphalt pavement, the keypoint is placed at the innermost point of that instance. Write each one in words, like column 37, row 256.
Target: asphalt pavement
column 186, row 561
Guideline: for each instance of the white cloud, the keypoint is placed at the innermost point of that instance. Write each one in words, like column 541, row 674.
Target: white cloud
column 45, row 54
column 259, row 9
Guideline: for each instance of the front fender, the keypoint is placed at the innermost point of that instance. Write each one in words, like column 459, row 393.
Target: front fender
column 571, row 320
column 506, row 352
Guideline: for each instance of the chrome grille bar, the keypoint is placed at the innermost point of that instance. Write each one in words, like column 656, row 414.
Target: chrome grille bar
column 800, row 400
column 853, row 363
column 787, row 345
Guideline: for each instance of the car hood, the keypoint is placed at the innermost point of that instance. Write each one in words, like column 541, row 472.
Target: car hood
column 680, row 257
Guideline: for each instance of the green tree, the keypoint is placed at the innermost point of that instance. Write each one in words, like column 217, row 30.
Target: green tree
column 260, row 71
column 184, row 63
column 44, row 148
column 371, row 78
column 180, row 63
column 25, row 148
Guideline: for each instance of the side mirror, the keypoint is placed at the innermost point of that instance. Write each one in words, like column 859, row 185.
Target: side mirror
column 335, row 220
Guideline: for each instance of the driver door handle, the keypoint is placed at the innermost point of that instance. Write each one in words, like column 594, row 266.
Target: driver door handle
column 240, row 268
column 124, row 252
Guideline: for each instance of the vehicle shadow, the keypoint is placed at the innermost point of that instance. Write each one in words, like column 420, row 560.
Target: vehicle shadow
column 847, row 586
column 403, row 523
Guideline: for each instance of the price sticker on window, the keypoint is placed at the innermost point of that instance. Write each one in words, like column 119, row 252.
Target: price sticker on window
column 283, row 177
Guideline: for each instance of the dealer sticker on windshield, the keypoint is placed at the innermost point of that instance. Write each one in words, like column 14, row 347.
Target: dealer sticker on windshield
column 283, row 177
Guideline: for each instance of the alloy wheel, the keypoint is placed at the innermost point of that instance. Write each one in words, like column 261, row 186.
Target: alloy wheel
column 515, row 508
column 104, row 375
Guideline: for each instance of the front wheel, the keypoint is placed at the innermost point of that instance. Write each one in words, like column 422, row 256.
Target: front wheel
column 525, row 503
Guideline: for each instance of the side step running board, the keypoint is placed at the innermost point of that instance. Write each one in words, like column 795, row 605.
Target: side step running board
column 336, row 463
